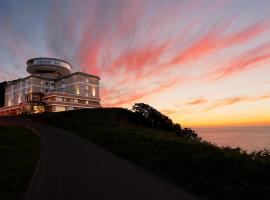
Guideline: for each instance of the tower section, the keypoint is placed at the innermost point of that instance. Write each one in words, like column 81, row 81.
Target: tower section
column 48, row 67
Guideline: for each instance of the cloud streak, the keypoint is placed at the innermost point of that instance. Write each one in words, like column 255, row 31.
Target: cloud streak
column 143, row 49
column 197, row 101
column 237, row 99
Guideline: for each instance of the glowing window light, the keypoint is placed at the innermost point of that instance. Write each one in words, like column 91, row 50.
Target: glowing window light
column 93, row 91
column 77, row 90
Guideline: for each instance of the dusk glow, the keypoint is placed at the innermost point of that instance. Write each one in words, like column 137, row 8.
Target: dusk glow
column 200, row 62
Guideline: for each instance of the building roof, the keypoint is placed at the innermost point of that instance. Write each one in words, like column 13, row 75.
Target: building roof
column 79, row 73
column 47, row 58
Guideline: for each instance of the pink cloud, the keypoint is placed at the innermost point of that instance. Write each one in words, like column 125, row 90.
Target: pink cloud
column 132, row 97
column 245, row 61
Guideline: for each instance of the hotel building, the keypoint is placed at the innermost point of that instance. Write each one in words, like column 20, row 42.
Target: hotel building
column 50, row 87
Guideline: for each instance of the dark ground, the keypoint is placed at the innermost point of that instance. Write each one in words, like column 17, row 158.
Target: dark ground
column 19, row 154
column 74, row 168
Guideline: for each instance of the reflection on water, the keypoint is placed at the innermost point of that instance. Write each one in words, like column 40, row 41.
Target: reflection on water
column 248, row 138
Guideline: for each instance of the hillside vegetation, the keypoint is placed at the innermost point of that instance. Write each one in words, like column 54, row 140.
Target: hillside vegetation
column 19, row 153
column 174, row 153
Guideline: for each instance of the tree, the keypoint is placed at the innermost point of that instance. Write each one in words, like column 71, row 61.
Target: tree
column 155, row 119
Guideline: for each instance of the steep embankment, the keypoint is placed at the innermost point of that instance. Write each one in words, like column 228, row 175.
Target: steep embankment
column 217, row 173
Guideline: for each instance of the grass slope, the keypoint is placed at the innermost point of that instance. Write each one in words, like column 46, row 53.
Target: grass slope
column 213, row 172
column 19, row 152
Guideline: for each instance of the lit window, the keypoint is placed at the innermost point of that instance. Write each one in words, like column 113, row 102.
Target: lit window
column 9, row 102
column 60, row 108
column 86, row 87
column 77, row 90
column 75, row 100
column 93, row 91
column 86, row 80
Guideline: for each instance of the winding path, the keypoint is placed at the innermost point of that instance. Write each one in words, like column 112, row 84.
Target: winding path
column 71, row 167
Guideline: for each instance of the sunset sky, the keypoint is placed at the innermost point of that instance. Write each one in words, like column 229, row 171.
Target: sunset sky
column 200, row 62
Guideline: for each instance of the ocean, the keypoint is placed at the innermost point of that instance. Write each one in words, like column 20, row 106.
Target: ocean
column 250, row 139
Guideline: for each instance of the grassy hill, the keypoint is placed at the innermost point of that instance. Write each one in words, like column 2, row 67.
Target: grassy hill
column 19, row 153
column 202, row 168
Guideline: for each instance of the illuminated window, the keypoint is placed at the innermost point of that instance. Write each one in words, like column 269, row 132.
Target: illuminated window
column 38, row 109
column 93, row 91
column 77, row 90
column 86, row 80
column 75, row 100
column 60, row 108
column 86, row 87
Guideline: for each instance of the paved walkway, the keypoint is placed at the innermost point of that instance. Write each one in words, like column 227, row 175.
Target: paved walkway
column 74, row 168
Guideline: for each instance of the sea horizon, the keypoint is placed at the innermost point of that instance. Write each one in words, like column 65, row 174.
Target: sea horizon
column 248, row 138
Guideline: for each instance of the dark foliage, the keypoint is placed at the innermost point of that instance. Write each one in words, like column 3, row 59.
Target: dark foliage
column 2, row 93
column 19, row 153
column 155, row 119
column 198, row 166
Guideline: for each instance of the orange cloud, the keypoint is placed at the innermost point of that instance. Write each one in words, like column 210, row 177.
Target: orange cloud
column 236, row 99
column 262, row 97
column 197, row 101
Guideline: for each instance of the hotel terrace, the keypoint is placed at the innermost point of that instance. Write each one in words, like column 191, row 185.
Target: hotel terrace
column 51, row 87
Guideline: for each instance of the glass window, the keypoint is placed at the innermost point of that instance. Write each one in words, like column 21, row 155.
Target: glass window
column 93, row 91
column 60, row 108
